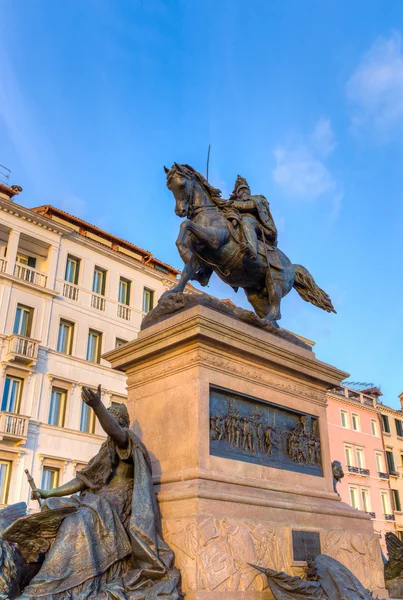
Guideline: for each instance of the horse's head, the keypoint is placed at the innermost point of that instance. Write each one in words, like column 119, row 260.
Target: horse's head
column 190, row 188
column 180, row 183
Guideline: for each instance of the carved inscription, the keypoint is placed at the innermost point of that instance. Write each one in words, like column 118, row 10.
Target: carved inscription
column 248, row 429
column 305, row 545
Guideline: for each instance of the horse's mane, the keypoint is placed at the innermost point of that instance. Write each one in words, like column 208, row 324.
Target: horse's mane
column 214, row 193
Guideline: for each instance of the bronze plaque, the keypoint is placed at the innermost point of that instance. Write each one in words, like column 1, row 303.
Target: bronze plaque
column 305, row 545
column 248, row 429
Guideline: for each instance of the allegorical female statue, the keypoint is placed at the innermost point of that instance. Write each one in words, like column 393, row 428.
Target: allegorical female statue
column 106, row 541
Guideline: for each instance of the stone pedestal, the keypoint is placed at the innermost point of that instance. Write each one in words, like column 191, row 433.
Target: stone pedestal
column 223, row 507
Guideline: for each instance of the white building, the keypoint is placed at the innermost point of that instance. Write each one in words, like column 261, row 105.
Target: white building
column 68, row 293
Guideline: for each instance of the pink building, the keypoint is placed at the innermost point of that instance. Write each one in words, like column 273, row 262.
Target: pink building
column 355, row 434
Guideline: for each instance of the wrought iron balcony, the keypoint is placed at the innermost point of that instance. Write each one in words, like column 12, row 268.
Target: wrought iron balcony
column 13, row 427
column 371, row 514
column 393, row 474
column 352, row 469
column 124, row 312
column 364, row 472
column 70, row 291
column 22, row 349
column 389, row 517
column 30, row 275
column 383, row 475
column 98, row 301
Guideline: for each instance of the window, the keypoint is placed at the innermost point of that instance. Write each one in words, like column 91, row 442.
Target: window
column 355, row 421
column 50, row 478
column 390, row 462
column 396, row 500
column 365, row 498
column 98, row 284
column 87, row 420
column 360, row 458
column 385, row 423
column 349, row 456
column 23, row 320
column 374, row 427
column 57, row 407
column 72, row 269
column 379, row 462
column 148, row 300
column 12, row 395
column 65, row 337
column 399, row 427
column 94, row 346
column 5, row 472
column 354, row 497
column 385, row 503
column 344, row 418
column 29, row 261
column 124, row 291
column 119, row 342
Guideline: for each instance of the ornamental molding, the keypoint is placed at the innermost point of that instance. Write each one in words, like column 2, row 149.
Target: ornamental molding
column 252, row 373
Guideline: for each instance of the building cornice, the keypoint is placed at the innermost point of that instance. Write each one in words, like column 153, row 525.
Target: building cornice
column 373, row 409
column 85, row 228
column 27, row 215
column 126, row 260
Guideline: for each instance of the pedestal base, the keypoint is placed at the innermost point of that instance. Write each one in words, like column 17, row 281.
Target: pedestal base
column 223, row 510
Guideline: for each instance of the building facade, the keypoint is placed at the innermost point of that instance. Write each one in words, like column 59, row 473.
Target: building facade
column 68, row 293
column 392, row 433
column 355, row 434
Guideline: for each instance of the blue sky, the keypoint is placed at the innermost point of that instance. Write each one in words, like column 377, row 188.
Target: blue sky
column 304, row 99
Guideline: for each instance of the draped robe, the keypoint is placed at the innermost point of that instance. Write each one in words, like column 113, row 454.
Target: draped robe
column 110, row 547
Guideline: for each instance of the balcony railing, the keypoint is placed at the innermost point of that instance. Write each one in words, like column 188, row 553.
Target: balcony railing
column 383, row 475
column 371, row 514
column 70, row 291
column 358, row 470
column 31, row 275
column 13, row 426
column 389, row 517
column 124, row 312
column 98, row 302
column 3, row 265
column 22, row 348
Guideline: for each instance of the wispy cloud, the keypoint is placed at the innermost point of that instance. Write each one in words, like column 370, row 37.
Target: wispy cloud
column 301, row 171
column 375, row 89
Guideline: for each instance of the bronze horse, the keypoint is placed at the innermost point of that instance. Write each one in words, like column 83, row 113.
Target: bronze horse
column 208, row 242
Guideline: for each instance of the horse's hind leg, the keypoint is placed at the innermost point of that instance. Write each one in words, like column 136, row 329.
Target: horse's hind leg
column 262, row 306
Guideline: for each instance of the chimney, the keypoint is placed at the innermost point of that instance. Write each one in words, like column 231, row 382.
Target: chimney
column 401, row 399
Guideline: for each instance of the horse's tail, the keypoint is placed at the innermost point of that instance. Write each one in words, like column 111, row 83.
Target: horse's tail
column 306, row 287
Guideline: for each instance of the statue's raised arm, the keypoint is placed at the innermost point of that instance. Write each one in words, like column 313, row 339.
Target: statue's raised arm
column 112, row 426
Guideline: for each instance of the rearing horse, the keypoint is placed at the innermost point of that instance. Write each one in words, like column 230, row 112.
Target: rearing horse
column 208, row 242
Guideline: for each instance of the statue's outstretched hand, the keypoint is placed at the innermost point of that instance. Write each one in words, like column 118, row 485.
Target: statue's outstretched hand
column 38, row 494
column 90, row 397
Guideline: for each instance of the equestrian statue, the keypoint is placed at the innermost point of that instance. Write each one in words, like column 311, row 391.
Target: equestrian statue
column 237, row 240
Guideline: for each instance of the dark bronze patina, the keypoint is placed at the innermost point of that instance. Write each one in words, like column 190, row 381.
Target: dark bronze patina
column 236, row 239
column 394, row 566
column 325, row 579
column 338, row 474
column 103, row 541
column 248, row 429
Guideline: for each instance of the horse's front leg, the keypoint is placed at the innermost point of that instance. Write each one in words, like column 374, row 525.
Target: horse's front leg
column 189, row 270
